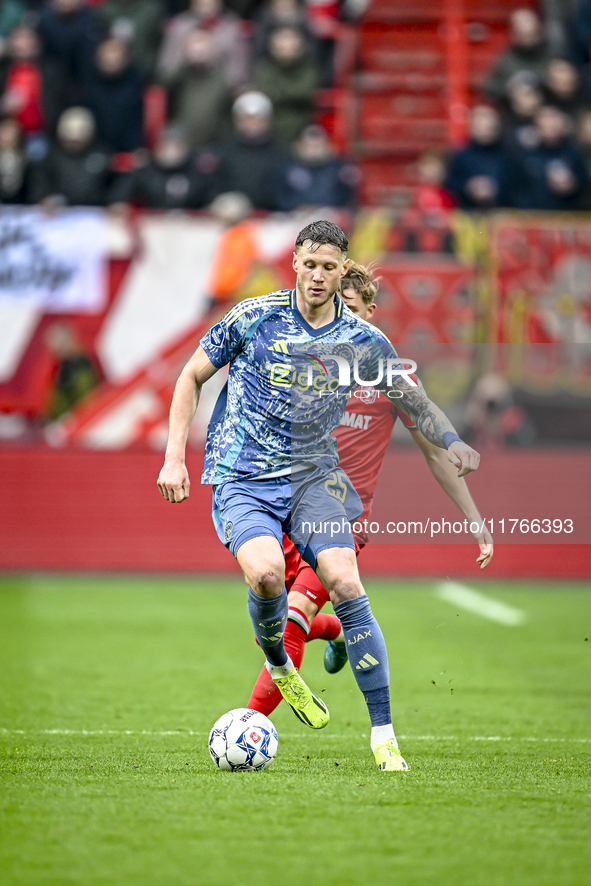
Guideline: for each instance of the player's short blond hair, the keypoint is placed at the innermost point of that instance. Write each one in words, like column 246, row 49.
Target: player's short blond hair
column 362, row 280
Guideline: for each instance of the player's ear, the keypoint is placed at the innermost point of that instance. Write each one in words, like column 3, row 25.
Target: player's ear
column 294, row 261
column 346, row 264
column 371, row 309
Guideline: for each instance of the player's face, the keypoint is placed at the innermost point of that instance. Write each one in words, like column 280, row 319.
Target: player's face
column 319, row 270
column 355, row 303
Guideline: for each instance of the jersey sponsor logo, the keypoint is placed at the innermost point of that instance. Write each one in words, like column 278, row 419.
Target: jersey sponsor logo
column 354, row 420
column 283, row 376
column 217, row 335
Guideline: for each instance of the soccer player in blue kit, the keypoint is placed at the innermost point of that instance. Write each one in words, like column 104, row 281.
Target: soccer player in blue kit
column 265, row 481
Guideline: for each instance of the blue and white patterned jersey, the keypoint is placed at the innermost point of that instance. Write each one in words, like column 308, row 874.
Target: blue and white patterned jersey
column 284, row 395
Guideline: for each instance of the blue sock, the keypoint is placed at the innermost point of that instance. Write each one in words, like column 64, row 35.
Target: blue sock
column 269, row 617
column 378, row 705
column 368, row 656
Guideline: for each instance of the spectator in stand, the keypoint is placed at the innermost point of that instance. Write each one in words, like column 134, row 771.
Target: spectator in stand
column 114, row 92
column 425, row 226
column 323, row 16
column 75, row 373
column 282, row 14
column 11, row 16
column 524, row 99
column 289, row 76
column 251, row 161
column 431, row 200
column 76, row 171
column 68, row 31
column 24, row 88
column 230, row 50
column 14, row 164
column 478, row 175
column 199, row 96
column 173, row 178
column 138, row 23
column 315, row 176
column 529, row 51
column 494, row 420
column 237, row 249
column 553, row 175
column 563, row 87
column 559, row 18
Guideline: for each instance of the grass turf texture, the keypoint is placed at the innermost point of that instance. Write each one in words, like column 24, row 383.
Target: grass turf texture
column 109, row 687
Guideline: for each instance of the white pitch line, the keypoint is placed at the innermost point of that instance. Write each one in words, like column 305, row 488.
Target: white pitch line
column 179, row 733
column 474, row 601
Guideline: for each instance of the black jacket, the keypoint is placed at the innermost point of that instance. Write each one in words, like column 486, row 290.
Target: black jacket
column 253, row 167
column 117, row 105
column 79, row 178
column 164, row 187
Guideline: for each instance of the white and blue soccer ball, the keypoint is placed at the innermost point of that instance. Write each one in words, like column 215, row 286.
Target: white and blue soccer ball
column 243, row 740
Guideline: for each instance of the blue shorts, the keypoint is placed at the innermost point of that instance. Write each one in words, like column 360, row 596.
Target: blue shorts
column 314, row 508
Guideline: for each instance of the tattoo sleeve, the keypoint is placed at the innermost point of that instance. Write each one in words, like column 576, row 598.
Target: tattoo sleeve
column 431, row 421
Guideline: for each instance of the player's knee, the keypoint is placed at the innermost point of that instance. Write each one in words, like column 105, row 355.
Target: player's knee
column 267, row 582
column 345, row 589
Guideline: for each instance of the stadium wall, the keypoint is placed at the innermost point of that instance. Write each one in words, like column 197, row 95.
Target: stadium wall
column 89, row 510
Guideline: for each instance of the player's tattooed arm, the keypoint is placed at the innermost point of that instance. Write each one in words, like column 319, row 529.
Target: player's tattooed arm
column 173, row 481
column 431, row 421
column 434, row 424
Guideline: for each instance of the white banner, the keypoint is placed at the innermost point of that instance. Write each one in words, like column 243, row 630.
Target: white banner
column 163, row 294
column 55, row 262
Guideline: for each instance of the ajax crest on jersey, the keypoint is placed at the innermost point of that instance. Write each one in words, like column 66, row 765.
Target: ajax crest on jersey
column 243, row 740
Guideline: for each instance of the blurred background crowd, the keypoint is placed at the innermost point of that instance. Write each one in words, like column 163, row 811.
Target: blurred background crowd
column 166, row 105
column 530, row 146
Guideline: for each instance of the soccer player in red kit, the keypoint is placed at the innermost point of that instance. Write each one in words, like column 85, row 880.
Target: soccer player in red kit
column 363, row 437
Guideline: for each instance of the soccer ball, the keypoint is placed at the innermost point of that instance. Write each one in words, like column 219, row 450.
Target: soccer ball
column 243, row 740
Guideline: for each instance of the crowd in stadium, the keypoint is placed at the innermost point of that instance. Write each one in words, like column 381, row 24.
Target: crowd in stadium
column 530, row 144
column 240, row 83
column 240, row 79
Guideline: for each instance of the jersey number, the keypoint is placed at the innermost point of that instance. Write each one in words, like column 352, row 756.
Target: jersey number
column 335, row 485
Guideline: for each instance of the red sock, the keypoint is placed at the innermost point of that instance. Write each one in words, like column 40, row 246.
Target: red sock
column 265, row 696
column 324, row 627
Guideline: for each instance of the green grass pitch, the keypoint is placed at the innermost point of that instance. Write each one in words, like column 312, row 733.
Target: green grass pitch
column 109, row 687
